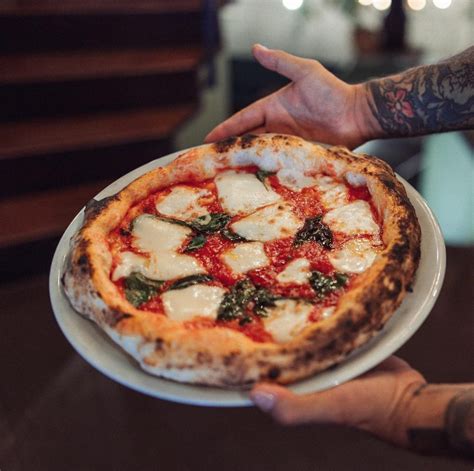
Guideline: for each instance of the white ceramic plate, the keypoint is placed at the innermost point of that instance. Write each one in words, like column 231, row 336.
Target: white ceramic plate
column 96, row 348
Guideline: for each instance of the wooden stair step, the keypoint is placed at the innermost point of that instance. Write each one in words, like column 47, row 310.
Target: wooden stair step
column 78, row 132
column 41, row 215
column 101, row 31
column 84, row 7
column 73, row 65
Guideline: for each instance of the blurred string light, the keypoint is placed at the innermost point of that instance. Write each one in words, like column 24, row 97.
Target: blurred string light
column 416, row 4
column 366, row 3
column 382, row 4
column 292, row 4
column 442, row 3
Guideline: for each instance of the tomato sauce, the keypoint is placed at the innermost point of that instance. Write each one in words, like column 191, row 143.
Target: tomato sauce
column 358, row 193
column 306, row 204
column 209, row 256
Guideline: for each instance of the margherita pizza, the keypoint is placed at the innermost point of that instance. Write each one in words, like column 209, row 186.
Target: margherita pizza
column 255, row 258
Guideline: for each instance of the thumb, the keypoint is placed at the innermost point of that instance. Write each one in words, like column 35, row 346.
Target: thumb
column 285, row 64
column 289, row 408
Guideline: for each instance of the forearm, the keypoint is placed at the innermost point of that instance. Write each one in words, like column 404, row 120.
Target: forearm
column 436, row 418
column 423, row 100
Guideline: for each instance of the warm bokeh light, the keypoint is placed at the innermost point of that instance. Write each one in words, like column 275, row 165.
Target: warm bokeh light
column 292, row 4
column 382, row 4
column 416, row 4
column 365, row 2
column 442, row 3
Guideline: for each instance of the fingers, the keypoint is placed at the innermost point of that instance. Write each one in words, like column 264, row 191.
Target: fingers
column 289, row 408
column 393, row 363
column 245, row 120
column 281, row 62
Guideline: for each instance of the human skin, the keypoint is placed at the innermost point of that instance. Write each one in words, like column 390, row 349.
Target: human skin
column 318, row 106
column 393, row 401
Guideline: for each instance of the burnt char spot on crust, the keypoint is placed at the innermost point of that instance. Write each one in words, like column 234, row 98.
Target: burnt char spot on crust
column 389, row 183
column 204, row 358
column 394, row 290
column 159, row 344
column 247, row 140
column 399, row 252
column 372, row 307
column 83, row 264
column 348, row 324
column 94, row 207
column 273, row 373
column 225, row 144
column 82, row 260
column 113, row 317
column 308, row 356
column 230, row 358
column 329, row 348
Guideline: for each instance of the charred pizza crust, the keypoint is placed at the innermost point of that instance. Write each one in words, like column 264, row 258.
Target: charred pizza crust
column 224, row 357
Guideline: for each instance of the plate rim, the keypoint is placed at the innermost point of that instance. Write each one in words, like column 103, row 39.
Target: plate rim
column 358, row 362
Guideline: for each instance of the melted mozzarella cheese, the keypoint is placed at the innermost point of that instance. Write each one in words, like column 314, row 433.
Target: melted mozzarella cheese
column 168, row 266
column 352, row 219
column 333, row 194
column 355, row 256
column 294, row 179
column 287, row 319
column 159, row 240
column 243, row 193
column 183, row 203
column 245, row 257
column 296, row 272
column 155, row 236
column 158, row 266
column 197, row 300
column 272, row 222
column 130, row 262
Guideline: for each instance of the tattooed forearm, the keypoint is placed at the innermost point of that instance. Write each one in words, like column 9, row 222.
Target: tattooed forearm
column 426, row 99
column 441, row 419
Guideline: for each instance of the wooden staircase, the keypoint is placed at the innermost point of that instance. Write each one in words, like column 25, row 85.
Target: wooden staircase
column 90, row 89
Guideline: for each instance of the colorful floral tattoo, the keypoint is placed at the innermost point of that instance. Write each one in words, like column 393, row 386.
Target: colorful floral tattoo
column 426, row 99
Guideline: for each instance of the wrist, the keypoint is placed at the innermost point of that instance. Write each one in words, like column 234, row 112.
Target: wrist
column 426, row 413
column 367, row 125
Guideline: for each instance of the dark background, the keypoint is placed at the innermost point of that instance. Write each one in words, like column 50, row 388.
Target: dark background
column 90, row 90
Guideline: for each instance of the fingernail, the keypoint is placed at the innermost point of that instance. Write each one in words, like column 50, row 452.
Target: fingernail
column 264, row 400
column 261, row 46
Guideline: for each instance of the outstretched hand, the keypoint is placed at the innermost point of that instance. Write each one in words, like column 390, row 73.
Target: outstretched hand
column 316, row 105
column 374, row 402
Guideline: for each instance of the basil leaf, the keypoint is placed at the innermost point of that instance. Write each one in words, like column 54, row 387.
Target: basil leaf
column 196, row 243
column 189, row 281
column 139, row 289
column 262, row 300
column 210, row 223
column 262, row 175
column 243, row 296
column 232, row 236
column 314, row 230
column 325, row 284
column 235, row 302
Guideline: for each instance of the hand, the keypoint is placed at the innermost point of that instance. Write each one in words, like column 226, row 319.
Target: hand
column 316, row 105
column 375, row 402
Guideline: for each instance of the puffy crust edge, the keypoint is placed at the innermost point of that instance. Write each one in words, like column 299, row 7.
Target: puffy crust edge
column 220, row 356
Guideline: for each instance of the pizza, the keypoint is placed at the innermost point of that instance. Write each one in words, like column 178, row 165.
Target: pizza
column 254, row 258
